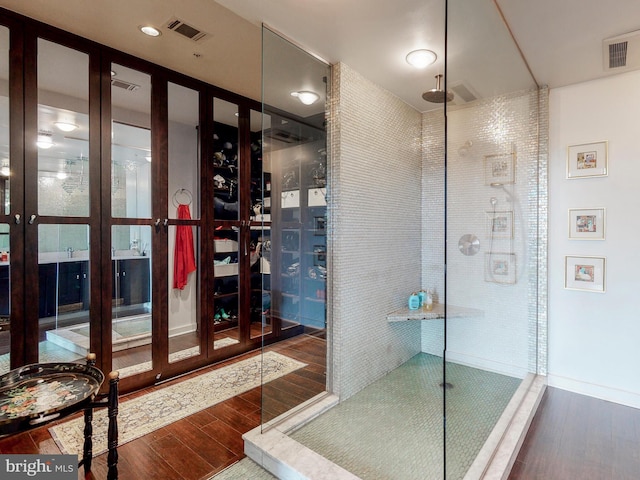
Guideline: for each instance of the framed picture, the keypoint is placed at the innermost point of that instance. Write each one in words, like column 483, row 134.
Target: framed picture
column 500, row 224
column 499, row 169
column 586, row 223
column 500, row 267
column 319, row 255
column 584, row 273
column 319, row 225
column 587, row 160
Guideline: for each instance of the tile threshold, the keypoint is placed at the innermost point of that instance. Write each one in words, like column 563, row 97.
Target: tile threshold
column 271, row 447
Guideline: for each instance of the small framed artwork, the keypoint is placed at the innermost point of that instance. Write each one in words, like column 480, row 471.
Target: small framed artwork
column 586, row 223
column 500, row 224
column 500, row 267
column 319, row 255
column 499, row 169
column 319, row 226
column 587, row 160
column 584, row 273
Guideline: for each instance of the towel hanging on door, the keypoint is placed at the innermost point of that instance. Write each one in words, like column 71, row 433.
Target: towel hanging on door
column 184, row 261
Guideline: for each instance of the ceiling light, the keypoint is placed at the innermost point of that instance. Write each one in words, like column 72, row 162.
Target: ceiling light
column 66, row 126
column 306, row 97
column 61, row 175
column 149, row 30
column 44, row 140
column 421, row 58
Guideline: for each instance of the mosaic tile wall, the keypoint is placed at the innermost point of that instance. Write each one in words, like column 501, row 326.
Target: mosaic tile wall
column 502, row 336
column 375, row 229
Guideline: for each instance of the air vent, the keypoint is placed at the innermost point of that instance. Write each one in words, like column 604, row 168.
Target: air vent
column 132, row 87
column 284, row 136
column 622, row 53
column 188, row 31
column 462, row 93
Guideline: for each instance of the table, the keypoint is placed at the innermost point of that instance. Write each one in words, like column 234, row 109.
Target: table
column 33, row 395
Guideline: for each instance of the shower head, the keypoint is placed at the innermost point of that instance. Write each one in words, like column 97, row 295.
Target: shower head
column 436, row 95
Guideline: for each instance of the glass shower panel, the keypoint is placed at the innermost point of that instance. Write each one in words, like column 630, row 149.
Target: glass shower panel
column 293, row 213
column 491, row 216
column 63, row 131
column 63, row 305
column 184, row 238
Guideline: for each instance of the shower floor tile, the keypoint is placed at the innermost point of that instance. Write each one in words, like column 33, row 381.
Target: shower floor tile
column 393, row 429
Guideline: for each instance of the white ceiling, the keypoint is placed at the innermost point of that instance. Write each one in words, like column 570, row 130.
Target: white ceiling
column 560, row 39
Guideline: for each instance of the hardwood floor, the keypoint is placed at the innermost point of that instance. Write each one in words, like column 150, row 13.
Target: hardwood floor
column 204, row 443
column 578, row 437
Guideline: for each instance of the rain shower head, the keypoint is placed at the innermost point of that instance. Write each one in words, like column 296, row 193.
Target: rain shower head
column 437, row 95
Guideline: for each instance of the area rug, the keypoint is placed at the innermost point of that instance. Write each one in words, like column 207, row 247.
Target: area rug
column 147, row 413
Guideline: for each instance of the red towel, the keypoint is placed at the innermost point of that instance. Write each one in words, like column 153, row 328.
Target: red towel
column 184, row 260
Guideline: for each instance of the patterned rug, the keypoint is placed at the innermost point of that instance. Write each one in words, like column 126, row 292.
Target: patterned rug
column 147, row 413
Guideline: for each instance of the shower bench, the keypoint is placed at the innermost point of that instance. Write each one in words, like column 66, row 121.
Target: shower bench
column 405, row 314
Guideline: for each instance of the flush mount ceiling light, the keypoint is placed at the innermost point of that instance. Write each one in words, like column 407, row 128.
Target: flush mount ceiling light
column 44, row 140
column 149, row 30
column 66, row 126
column 421, row 58
column 306, row 97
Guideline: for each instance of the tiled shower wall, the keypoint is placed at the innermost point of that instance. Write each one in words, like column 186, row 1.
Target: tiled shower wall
column 502, row 335
column 375, row 222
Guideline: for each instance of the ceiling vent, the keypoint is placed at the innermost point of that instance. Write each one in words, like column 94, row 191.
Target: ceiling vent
column 463, row 93
column 622, row 52
column 132, row 87
column 188, row 31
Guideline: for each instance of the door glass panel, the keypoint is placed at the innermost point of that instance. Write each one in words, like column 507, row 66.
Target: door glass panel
column 131, row 154
column 226, row 285
column 4, row 121
column 260, row 246
column 63, row 280
column 63, row 131
column 131, row 296
column 5, row 299
column 184, row 240
column 225, row 160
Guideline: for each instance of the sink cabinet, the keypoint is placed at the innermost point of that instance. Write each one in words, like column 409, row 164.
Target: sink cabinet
column 64, row 287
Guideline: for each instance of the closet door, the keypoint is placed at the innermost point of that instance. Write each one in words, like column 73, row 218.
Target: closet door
column 184, row 332
column 134, row 227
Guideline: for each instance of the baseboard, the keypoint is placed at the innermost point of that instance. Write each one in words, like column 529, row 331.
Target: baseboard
column 610, row 394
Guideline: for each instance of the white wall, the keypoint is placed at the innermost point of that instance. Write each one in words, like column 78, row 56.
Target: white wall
column 593, row 337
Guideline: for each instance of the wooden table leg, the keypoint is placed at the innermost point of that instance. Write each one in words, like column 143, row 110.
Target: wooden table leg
column 112, row 435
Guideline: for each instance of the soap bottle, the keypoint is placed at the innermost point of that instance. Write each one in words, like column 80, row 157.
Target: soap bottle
column 414, row 301
column 422, row 295
column 428, row 300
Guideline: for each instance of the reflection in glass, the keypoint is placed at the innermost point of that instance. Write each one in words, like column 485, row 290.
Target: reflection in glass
column 5, row 299
column 63, row 131
column 131, row 296
column 184, row 204
column 131, row 154
column 4, row 121
column 64, row 292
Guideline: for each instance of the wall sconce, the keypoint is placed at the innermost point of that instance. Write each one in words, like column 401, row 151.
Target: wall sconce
column 306, row 97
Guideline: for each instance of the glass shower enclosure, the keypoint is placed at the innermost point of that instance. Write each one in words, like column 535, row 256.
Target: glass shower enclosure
column 446, row 197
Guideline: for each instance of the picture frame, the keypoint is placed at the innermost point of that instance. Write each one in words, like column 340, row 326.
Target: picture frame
column 586, row 223
column 319, row 225
column 499, row 169
column 588, row 160
column 319, row 256
column 500, row 224
column 584, row 273
column 500, row 267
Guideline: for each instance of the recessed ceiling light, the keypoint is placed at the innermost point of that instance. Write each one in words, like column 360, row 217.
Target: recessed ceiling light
column 306, row 97
column 149, row 30
column 66, row 126
column 421, row 58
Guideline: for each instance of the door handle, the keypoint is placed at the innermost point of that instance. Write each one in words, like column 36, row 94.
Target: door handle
column 32, row 219
column 18, row 217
